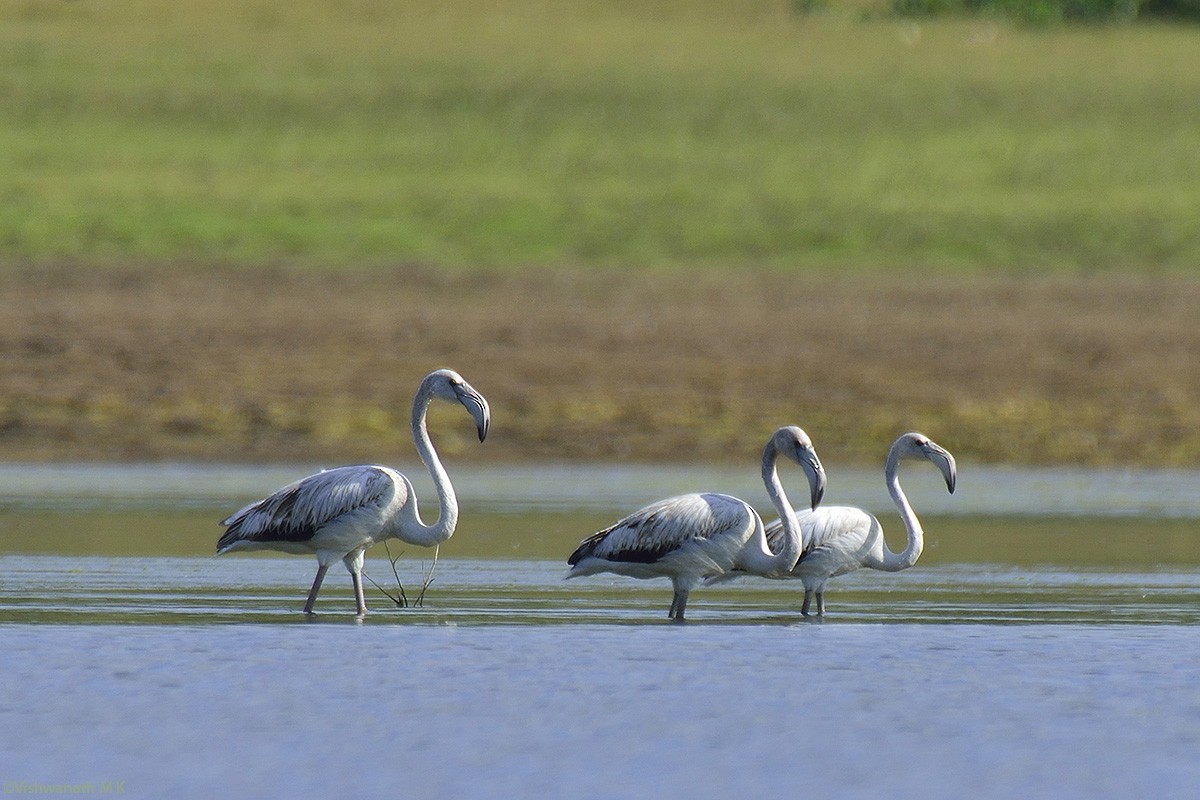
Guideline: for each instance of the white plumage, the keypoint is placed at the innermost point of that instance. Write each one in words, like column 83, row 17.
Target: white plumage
column 339, row 513
column 693, row 536
column 841, row 539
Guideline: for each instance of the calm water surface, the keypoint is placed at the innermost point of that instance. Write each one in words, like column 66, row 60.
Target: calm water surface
column 1048, row 643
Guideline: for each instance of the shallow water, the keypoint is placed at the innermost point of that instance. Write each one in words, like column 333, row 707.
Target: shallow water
column 1046, row 652
column 70, row 590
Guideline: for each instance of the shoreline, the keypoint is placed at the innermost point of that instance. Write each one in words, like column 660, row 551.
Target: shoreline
column 212, row 365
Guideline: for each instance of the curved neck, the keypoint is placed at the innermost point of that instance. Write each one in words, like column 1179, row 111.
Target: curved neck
column 894, row 562
column 757, row 556
column 417, row 532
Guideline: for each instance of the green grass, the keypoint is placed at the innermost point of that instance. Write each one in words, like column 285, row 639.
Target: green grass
column 624, row 134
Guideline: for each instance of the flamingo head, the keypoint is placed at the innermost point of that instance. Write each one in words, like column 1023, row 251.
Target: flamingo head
column 447, row 384
column 918, row 445
column 794, row 443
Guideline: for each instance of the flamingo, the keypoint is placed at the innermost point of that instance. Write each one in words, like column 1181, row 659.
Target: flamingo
column 841, row 539
column 691, row 536
column 339, row 513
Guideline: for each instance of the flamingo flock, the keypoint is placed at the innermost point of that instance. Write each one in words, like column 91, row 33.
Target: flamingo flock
column 691, row 539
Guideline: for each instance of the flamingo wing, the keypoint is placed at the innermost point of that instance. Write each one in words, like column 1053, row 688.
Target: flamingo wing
column 660, row 528
column 297, row 511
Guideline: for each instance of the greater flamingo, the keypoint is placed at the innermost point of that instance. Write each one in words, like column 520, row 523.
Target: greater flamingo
column 339, row 513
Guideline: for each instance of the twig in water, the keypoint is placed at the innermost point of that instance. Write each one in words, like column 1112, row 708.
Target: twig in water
column 428, row 578
column 400, row 598
column 399, row 585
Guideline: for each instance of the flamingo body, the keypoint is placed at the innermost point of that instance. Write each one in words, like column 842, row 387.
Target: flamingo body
column 330, row 514
column 838, row 539
column 684, row 538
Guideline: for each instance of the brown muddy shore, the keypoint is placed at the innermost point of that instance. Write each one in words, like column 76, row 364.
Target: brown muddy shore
column 193, row 363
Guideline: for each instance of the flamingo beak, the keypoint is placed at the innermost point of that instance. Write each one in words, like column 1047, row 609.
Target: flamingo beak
column 944, row 462
column 478, row 407
column 816, row 477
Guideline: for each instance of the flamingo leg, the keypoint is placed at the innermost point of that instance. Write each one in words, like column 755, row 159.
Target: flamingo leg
column 359, row 599
column 677, row 605
column 316, row 587
column 808, row 595
column 354, row 563
column 820, row 604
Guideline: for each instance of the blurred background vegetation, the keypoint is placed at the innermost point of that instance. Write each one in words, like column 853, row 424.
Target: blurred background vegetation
column 992, row 206
column 1042, row 12
column 471, row 133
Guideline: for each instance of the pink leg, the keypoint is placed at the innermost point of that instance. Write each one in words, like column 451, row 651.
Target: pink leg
column 316, row 587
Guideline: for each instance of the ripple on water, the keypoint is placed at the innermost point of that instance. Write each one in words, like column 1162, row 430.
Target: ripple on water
column 488, row 591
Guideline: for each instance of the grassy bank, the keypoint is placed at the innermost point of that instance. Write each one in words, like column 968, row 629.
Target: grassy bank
column 286, row 366
column 466, row 133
